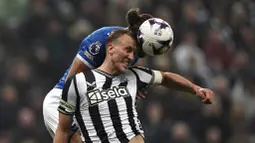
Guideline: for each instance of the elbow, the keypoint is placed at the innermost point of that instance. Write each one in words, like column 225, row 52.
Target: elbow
column 63, row 129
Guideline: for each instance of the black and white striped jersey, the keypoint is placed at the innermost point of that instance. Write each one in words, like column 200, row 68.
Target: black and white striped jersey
column 104, row 105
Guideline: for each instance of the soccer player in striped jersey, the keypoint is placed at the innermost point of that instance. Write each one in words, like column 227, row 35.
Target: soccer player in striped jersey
column 103, row 99
column 90, row 55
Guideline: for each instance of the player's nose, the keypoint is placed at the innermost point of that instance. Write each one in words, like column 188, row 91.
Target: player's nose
column 131, row 56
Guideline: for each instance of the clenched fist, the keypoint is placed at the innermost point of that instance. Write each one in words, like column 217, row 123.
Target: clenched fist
column 205, row 94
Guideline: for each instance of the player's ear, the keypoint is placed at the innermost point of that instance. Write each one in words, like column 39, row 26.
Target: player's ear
column 110, row 49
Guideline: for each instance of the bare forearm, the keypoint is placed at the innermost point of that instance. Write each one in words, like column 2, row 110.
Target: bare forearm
column 71, row 72
column 177, row 82
column 74, row 70
column 61, row 137
column 76, row 67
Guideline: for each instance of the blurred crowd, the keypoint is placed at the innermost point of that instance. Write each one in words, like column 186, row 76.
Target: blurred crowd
column 214, row 47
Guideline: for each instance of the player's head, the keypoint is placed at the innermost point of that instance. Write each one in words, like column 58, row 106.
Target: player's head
column 135, row 20
column 121, row 46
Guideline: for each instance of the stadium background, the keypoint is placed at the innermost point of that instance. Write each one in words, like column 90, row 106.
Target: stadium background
column 214, row 47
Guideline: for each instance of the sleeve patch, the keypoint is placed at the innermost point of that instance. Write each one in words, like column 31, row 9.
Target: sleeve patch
column 94, row 48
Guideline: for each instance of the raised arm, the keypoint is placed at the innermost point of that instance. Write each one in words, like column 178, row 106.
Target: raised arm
column 177, row 82
column 147, row 77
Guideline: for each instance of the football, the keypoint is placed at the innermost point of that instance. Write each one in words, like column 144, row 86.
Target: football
column 155, row 36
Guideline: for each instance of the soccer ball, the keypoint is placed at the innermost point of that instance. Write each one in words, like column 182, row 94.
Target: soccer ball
column 155, row 36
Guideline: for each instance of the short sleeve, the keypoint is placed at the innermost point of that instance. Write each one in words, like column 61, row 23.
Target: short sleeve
column 147, row 77
column 91, row 54
column 92, row 50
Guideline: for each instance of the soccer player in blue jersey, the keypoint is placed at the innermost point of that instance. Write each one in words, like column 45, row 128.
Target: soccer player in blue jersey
column 91, row 54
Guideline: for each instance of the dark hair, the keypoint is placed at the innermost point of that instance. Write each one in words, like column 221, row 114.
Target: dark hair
column 118, row 33
column 134, row 20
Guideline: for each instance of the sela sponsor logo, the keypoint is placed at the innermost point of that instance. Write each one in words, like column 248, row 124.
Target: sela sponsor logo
column 97, row 96
column 94, row 48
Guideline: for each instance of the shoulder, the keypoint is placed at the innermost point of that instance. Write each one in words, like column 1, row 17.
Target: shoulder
column 147, row 75
column 99, row 36
column 138, row 71
column 76, row 78
column 140, row 68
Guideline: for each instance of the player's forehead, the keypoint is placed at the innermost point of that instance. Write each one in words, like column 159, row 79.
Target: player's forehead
column 127, row 40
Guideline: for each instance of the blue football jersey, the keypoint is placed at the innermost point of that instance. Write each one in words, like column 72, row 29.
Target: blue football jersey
column 92, row 50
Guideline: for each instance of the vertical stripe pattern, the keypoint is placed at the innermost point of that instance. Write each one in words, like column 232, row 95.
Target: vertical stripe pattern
column 105, row 104
column 113, row 107
column 79, row 116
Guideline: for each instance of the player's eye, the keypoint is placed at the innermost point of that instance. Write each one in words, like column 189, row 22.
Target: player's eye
column 128, row 49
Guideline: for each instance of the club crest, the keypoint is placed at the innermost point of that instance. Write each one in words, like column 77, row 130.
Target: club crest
column 94, row 48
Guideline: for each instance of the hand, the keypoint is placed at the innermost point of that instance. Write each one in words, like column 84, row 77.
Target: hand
column 205, row 94
column 141, row 94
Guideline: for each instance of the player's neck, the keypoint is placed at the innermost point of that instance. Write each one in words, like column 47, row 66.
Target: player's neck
column 109, row 68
